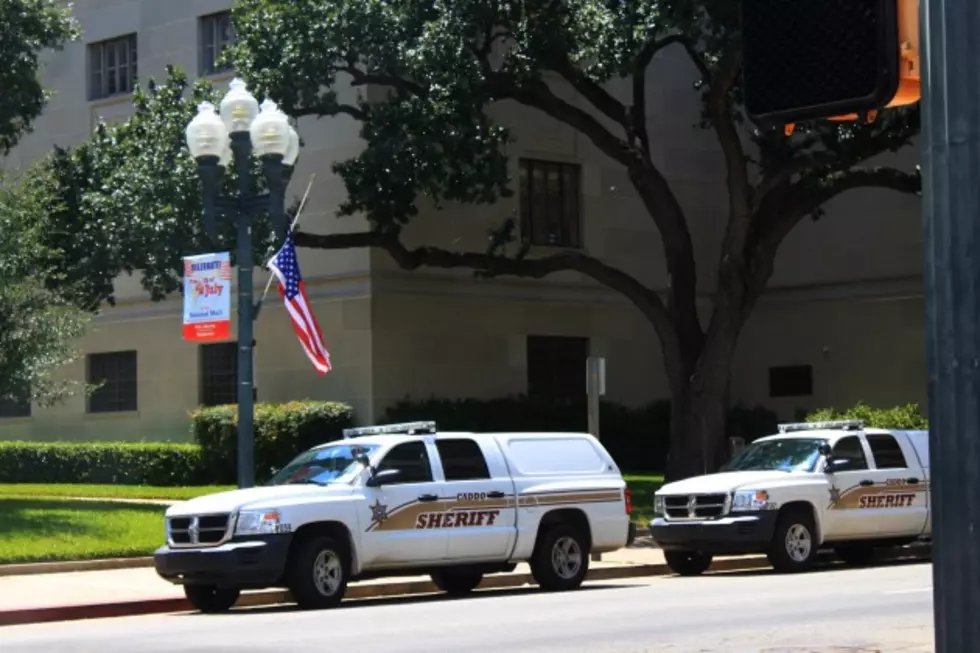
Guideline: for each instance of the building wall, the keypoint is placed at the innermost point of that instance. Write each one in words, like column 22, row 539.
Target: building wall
column 845, row 297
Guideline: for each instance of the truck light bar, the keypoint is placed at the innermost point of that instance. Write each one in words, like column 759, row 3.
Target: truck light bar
column 407, row 428
column 842, row 424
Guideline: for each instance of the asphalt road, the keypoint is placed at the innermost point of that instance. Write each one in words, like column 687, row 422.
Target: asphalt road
column 887, row 609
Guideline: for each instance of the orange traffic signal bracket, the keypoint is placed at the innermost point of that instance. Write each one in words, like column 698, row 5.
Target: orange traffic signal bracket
column 909, row 81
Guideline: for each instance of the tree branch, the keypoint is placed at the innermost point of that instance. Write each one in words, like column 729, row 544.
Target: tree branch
column 808, row 195
column 538, row 95
column 647, row 300
column 638, row 112
column 599, row 97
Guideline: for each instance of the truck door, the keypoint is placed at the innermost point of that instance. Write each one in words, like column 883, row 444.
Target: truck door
column 396, row 513
column 481, row 512
column 899, row 496
column 843, row 519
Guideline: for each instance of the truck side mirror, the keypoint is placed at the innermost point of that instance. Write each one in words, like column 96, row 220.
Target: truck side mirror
column 384, row 477
column 835, row 465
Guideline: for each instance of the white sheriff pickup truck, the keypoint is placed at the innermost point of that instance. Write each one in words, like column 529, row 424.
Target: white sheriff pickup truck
column 403, row 499
column 820, row 484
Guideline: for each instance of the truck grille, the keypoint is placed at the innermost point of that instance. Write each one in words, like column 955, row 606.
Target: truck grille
column 696, row 506
column 198, row 530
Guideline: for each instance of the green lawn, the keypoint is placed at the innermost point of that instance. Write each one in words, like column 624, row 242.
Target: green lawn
column 46, row 529
column 41, row 531
column 17, row 490
column 643, row 486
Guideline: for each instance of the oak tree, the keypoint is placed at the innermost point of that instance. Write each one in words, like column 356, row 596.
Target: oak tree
column 441, row 66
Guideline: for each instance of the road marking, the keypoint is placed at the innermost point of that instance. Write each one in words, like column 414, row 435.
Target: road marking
column 910, row 591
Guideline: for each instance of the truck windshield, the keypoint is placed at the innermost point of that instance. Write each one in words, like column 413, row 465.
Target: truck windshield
column 788, row 454
column 322, row 466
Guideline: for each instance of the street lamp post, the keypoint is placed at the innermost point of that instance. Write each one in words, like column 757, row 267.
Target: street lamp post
column 243, row 127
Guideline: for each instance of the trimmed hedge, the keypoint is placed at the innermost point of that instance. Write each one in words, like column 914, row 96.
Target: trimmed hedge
column 281, row 432
column 102, row 463
column 898, row 417
column 637, row 438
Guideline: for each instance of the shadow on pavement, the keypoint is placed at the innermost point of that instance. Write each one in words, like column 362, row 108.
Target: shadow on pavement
column 407, row 599
column 827, row 564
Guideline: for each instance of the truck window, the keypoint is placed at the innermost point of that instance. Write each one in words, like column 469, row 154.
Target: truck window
column 462, row 460
column 412, row 460
column 887, row 452
column 849, row 449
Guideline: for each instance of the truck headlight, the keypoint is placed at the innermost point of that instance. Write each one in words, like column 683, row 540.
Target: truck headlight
column 750, row 500
column 658, row 506
column 258, row 522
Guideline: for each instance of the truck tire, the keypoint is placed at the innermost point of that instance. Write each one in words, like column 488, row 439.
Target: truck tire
column 794, row 545
column 456, row 582
column 687, row 563
column 855, row 555
column 561, row 559
column 210, row 599
column 317, row 572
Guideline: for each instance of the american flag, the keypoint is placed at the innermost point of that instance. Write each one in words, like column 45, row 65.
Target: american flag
column 224, row 272
column 286, row 268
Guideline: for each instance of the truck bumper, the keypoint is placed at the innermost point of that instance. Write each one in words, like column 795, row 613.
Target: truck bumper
column 746, row 533
column 246, row 564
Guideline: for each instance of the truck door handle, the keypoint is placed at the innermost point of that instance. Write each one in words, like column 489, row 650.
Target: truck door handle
column 496, row 494
column 912, row 481
column 866, row 483
column 428, row 497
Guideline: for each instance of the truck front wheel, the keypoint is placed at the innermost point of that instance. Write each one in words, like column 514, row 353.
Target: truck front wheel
column 687, row 563
column 318, row 572
column 794, row 544
column 210, row 599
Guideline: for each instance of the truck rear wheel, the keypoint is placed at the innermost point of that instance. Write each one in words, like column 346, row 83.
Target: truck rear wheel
column 794, row 544
column 210, row 599
column 561, row 559
column 456, row 582
column 687, row 563
column 318, row 571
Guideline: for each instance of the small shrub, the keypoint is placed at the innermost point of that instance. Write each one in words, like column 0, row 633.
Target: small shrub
column 907, row 416
column 103, row 463
column 281, row 432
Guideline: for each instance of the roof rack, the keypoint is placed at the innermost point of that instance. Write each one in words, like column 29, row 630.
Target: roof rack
column 841, row 424
column 406, row 428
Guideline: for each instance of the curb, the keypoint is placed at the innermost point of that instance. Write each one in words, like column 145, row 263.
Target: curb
column 103, row 564
column 367, row 591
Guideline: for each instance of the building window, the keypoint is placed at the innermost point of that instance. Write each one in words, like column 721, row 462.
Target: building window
column 215, row 33
column 556, row 366
column 550, row 203
column 219, row 374
column 115, row 375
column 112, row 67
column 791, row 381
column 11, row 409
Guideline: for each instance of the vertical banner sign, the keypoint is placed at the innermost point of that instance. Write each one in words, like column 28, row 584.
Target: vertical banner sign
column 207, row 297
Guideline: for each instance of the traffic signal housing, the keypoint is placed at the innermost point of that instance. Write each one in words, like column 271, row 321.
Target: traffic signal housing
column 828, row 59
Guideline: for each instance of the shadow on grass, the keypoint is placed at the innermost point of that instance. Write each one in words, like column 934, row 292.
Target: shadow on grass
column 44, row 518
column 643, row 488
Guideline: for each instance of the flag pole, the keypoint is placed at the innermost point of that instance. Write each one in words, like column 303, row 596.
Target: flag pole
column 268, row 283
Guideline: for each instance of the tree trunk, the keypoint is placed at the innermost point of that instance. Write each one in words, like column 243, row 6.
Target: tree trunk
column 699, row 410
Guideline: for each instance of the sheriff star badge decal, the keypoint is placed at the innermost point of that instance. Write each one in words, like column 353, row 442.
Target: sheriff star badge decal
column 379, row 511
column 834, row 494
